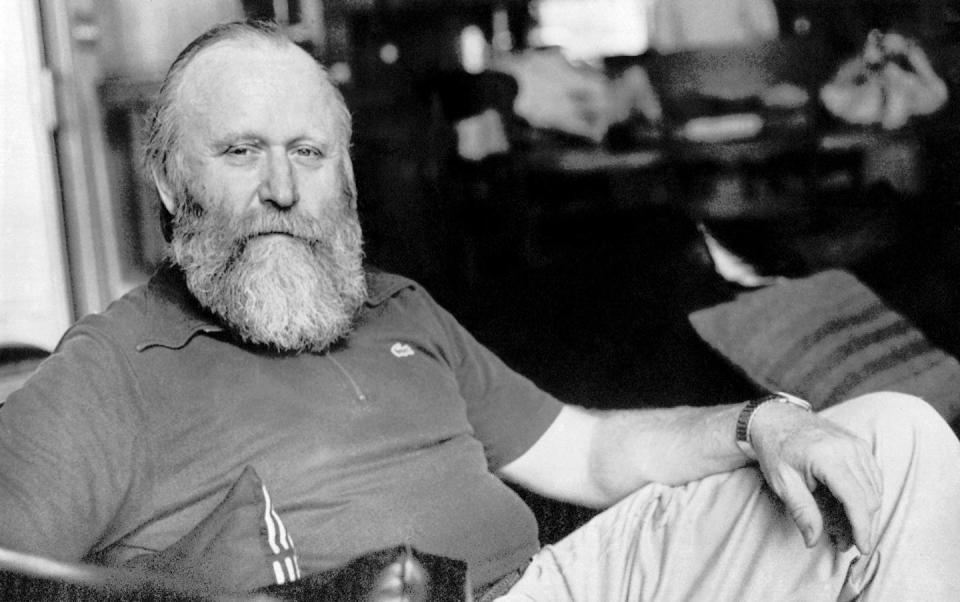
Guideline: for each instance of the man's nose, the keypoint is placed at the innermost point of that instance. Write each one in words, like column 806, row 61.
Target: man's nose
column 278, row 185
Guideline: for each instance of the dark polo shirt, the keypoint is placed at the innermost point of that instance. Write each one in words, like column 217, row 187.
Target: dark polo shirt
column 134, row 430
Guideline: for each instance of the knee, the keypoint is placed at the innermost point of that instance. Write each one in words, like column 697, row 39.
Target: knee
column 898, row 415
column 892, row 403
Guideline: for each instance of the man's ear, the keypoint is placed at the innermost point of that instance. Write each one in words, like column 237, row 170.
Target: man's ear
column 167, row 195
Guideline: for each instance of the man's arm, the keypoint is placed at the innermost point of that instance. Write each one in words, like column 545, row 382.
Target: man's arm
column 596, row 458
column 72, row 452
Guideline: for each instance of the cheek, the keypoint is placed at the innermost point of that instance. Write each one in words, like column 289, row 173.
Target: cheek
column 323, row 193
column 229, row 191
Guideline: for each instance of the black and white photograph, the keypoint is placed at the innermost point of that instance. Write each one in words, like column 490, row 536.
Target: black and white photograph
column 480, row 300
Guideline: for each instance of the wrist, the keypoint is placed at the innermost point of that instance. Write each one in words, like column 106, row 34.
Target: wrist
column 745, row 420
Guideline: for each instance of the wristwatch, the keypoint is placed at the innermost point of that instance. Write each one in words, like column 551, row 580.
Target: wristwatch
column 744, row 441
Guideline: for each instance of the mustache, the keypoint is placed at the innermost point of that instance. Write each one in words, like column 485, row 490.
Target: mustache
column 237, row 230
column 306, row 229
column 261, row 223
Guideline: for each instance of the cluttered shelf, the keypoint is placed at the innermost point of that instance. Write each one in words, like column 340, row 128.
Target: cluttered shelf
column 835, row 138
column 735, row 105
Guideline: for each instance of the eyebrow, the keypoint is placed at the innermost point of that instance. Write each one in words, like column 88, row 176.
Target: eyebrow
column 230, row 138
column 233, row 137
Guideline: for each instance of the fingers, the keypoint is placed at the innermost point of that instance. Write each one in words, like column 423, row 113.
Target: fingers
column 797, row 456
column 843, row 507
column 860, row 500
column 790, row 487
column 835, row 487
column 852, row 475
column 835, row 523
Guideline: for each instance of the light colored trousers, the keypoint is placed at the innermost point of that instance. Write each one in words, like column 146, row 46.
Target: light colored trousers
column 726, row 537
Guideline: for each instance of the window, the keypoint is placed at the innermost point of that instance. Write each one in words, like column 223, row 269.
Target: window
column 35, row 304
column 589, row 30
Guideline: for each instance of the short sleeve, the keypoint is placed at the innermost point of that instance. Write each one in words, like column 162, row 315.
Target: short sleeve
column 68, row 446
column 507, row 411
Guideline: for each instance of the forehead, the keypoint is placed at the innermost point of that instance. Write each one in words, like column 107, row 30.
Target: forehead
column 257, row 87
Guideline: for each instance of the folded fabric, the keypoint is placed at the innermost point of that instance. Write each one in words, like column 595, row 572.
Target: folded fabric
column 236, row 548
column 827, row 338
column 243, row 544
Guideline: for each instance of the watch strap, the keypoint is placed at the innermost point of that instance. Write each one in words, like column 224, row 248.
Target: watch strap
column 743, row 438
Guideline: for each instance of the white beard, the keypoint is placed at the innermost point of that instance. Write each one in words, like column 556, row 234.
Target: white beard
column 287, row 281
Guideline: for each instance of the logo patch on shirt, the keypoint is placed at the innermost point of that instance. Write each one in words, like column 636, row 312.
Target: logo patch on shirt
column 401, row 350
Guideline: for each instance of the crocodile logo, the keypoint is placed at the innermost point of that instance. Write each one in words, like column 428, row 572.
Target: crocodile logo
column 401, row 350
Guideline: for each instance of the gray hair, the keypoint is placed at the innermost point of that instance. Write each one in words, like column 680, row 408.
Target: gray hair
column 162, row 154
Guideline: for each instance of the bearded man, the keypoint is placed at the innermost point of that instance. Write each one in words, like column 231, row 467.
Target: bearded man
column 265, row 389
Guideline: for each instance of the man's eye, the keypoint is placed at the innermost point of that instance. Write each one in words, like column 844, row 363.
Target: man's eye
column 308, row 152
column 238, row 151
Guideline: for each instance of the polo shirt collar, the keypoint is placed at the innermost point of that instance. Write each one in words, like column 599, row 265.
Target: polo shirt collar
column 383, row 285
column 174, row 316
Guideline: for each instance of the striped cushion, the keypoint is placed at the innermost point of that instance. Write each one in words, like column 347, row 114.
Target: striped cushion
column 827, row 338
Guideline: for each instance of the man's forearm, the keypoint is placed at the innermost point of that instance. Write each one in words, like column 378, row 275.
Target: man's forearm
column 595, row 458
column 672, row 445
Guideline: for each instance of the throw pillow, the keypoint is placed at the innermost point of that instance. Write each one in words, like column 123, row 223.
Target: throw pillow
column 236, row 548
column 826, row 338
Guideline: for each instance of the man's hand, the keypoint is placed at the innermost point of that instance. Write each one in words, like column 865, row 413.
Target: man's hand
column 801, row 453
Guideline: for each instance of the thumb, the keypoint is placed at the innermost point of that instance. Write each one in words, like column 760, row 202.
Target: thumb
column 792, row 490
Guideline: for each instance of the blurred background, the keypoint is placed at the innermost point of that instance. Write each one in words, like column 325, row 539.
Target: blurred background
column 559, row 173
